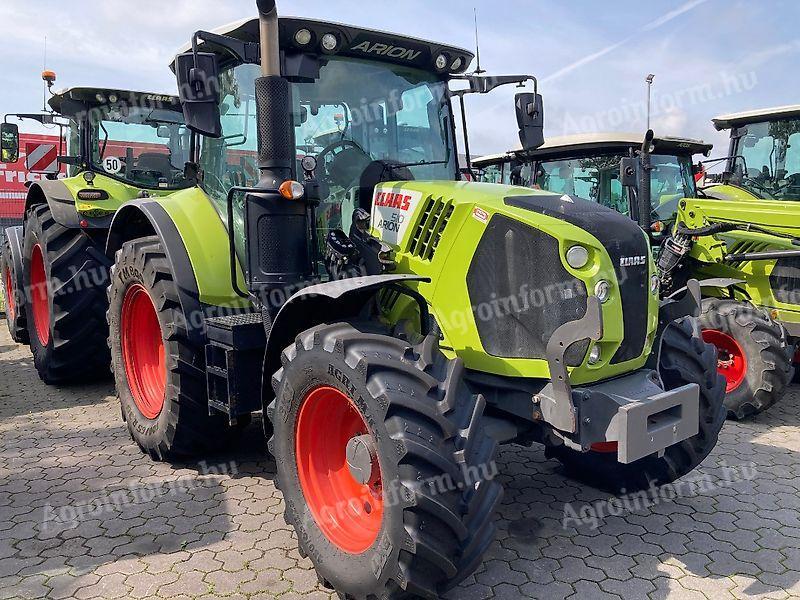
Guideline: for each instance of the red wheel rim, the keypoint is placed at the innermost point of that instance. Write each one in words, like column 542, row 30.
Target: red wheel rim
column 143, row 351
column 10, row 294
column 347, row 512
column 731, row 362
column 39, row 300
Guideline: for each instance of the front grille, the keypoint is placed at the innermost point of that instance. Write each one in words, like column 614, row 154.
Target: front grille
column 521, row 292
column 622, row 238
column 435, row 215
column 785, row 280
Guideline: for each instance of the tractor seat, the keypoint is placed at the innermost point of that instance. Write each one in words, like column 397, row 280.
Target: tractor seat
column 154, row 162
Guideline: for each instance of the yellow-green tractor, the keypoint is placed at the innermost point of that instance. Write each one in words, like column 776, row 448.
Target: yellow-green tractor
column 393, row 322
column 117, row 146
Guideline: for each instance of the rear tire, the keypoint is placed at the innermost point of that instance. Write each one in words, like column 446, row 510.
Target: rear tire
column 434, row 462
column 753, row 355
column 65, row 289
column 685, row 358
column 159, row 373
column 11, row 280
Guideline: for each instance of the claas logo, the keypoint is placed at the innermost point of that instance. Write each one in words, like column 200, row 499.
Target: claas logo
column 393, row 200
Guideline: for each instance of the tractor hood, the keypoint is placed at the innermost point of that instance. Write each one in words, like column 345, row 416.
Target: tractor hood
column 501, row 282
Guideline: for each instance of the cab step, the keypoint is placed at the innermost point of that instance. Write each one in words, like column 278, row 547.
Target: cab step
column 234, row 357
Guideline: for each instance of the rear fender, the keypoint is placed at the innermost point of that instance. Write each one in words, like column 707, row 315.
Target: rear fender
column 142, row 218
column 59, row 198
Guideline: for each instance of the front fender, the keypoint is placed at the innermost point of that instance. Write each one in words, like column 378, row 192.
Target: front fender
column 322, row 303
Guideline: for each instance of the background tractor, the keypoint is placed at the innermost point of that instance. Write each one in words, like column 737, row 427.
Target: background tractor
column 117, row 146
column 764, row 156
column 693, row 236
column 393, row 322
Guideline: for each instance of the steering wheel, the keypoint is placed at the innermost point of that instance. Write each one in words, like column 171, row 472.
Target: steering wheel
column 333, row 175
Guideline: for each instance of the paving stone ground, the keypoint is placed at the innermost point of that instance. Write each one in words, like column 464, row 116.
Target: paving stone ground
column 83, row 514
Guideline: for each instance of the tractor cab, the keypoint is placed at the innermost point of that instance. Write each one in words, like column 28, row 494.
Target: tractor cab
column 365, row 107
column 134, row 138
column 764, row 156
column 588, row 166
column 137, row 138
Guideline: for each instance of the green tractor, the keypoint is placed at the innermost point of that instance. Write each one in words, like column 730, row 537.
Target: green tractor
column 764, row 156
column 710, row 240
column 118, row 146
column 393, row 322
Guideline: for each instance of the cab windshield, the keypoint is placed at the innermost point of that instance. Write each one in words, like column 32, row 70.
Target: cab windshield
column 596, row 178
column 143, row 146
column 767, row 159
column 364, row 122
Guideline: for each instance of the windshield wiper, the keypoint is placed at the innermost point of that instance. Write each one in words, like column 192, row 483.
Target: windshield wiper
column 392, row 167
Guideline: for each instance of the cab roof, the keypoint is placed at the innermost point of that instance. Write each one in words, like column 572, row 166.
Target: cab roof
column 569, row 145
column 72, row 100
column 353, row 41
column 754, row 116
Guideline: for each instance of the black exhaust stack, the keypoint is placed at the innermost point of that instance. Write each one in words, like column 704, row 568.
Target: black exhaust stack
column 277, row 227
column 273, row 102
column 644, row 205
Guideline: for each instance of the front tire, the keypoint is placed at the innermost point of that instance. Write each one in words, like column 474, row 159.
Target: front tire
column 685, row 358
column 753, row 355
column 417, row 517
column 67, row 303
column 159, row 372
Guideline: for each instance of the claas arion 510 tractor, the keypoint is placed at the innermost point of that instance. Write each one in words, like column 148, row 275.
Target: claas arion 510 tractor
column 394, row 323
column 691, row 236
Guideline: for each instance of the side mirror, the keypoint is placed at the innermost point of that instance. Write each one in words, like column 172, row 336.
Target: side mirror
column 530, row 118
column 198, row 88
column 163, row 132
column 9, row 143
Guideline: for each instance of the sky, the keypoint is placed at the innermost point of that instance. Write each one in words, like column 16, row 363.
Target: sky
column 591, row 58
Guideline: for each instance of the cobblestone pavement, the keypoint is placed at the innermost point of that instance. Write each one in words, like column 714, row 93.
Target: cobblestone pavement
column 84, row 514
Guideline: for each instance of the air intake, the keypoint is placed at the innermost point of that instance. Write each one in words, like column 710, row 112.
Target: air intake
column 435, row 215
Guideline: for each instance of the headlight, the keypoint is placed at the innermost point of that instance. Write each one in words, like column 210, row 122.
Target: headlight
column 603, row 291
column 303, row 37
column 330, row 42
column 441, row 62
column 577, row 257
column 457, row 64
column 655, row 285
column 595, row 355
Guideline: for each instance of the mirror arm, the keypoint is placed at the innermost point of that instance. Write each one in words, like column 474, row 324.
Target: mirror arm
column 479, row 84
column 246, row 52
column 466, row 137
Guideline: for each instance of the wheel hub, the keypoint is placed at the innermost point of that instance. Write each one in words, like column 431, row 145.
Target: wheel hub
column 362, row 458
column 731, row 361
